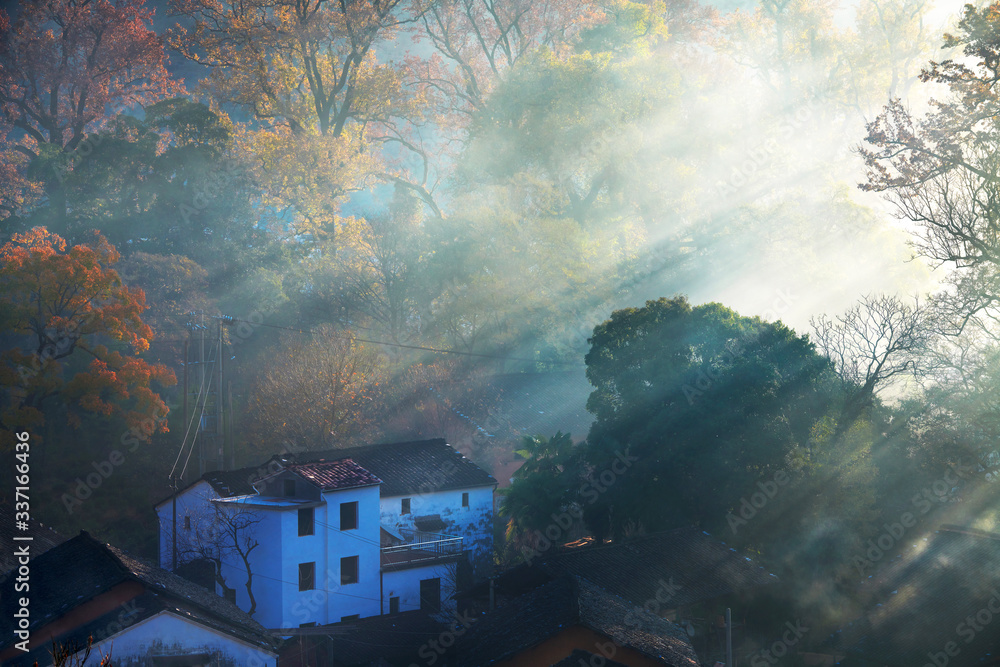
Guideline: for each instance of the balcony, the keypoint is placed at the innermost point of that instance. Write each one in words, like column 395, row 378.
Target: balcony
column 420, row 548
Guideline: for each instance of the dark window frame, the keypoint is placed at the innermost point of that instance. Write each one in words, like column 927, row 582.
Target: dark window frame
column 355, row 568
column 311, row 524
column 404, row 506
column 465, row 499
column 307, row 576
column 353, row 516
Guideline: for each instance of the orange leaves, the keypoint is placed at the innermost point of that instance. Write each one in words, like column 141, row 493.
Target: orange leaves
column 56, row 301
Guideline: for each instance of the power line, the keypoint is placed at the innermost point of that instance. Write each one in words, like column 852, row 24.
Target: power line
column 436, row 350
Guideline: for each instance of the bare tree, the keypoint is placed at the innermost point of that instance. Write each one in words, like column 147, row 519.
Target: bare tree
column 226, row 531
column 875, row 343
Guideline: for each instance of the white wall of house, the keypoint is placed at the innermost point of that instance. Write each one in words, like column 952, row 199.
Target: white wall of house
column 405, row 584
column 194, row 515
column 169, row 634
column 280, row 551
column 474, row 524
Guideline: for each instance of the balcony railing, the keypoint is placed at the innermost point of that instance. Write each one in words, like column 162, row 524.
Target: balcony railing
column 419, row 547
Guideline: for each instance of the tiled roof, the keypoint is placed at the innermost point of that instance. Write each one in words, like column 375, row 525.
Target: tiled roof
column 686, row 565
column 566, row 602
column 412, row 467
column 405, row 468
column 330, row 475
column 81, row 568
column 921, row 600
column 700, row 567
column 395, row 638
column 581, row 657
column 232, row 483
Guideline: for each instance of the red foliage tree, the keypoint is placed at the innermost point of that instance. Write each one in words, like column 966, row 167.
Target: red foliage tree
column 56, row 302
column 66, row 67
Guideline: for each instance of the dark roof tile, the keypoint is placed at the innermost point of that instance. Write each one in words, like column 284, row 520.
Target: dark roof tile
column 81, row 568
column 330, row 475
column 566, row 602
column 415, row 467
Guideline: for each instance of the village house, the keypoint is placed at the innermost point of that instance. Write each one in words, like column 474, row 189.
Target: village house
column 142, row 615
column 327, row 537
column 572, row 617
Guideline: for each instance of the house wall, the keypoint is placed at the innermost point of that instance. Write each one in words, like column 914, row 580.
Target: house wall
column 560, row 645
column 405, row 584
column 473, row 523
column 361, row 598
column 79, row 615
column 168, row 634
column 275, row 563
column 193, row 502
column 265, row 565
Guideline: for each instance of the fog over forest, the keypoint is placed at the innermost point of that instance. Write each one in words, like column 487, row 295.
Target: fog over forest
column 740, row 240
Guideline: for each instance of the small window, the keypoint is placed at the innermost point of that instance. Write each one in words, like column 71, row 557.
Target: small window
column 349, row 516
column 465, row 500
column 394, row 604
column 352, row 617
column 305, row 521
column 404, row 506
column 187, row 523
column 289, row 488
column 307, row 576
column 349, row 570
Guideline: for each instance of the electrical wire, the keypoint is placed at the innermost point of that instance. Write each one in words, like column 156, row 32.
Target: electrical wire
column 230, row 319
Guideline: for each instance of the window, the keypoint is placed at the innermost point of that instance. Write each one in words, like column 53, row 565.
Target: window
column 430, row 595
column 404, row 506
column 394, row 604
column 289, row 488
column 187, row 523
column 465, row 500
column 306, row 521
column 352, row 617
column 307, row 576
column 349, row 570
column 349, row 516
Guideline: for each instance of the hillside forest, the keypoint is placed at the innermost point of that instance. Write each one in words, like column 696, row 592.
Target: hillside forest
column 765, row 234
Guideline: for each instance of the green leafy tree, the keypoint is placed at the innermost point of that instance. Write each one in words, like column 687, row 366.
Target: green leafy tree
column 709, row 403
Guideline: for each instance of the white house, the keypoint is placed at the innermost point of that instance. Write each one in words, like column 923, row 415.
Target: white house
column 141, row 615
column 330, row 536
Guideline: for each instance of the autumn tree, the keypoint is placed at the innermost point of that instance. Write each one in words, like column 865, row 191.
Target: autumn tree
column 66, row 67
column 325, row 104
column 59, row 304
column 322, row 392
column 941, row 171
